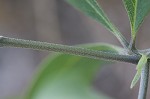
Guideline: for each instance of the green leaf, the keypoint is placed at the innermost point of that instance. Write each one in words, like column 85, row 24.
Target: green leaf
column 135, row 79
column 137, row 10
column 93, row 9
column 69, row 77
column 142, row 62
column 139, row 67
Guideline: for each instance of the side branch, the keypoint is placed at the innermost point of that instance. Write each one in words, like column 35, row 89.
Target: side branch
column 95, row 54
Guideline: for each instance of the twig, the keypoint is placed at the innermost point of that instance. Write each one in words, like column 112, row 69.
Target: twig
column 95, row 54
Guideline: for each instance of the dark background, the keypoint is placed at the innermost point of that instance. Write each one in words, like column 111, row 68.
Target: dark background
column 56, row 21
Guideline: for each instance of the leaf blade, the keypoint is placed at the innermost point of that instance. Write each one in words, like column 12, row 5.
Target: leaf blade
column 135, row 79
column 142, row 62
column 68, row 77
column 137, row 10
column 94, row 10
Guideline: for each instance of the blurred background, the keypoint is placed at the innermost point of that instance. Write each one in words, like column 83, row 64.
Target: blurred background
column 57, row 22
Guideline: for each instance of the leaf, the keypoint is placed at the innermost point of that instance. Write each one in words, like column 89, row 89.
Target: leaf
column 93, row 9
column 137, row 10
column 141, row 63
column 135, row 79
column 69, row 77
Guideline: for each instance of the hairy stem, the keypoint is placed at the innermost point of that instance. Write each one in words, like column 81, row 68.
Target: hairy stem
column 95, row 54
column 131, row 47
column 144, row 82
column 147, row 51
column 123, row 40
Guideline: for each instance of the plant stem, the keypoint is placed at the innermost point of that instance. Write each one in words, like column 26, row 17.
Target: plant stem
column 122, row 40
column 131, row 47
column 144, row 82
column 95, row 54
column 147, row 51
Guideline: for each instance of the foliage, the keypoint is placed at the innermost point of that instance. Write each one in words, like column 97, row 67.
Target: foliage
column 137, row 10
column 70, row 77
column 93, row 9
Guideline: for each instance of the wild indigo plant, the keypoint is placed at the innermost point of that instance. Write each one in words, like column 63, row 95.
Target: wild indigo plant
column 136, row 10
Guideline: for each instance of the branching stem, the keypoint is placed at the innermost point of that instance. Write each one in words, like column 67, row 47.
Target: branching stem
column 95, row 54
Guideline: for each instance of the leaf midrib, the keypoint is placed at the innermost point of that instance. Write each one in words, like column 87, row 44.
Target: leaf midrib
column 135, row 16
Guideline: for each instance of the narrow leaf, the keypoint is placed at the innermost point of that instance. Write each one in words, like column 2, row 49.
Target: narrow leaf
column 139, row 67
column 68, row 77
column 142, row 62
column 93, row 9
column 137, row 10
column 135, row 79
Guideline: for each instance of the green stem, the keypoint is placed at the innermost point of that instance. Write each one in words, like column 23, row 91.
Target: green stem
column 132, row 47
column 122, row 40
column 144, row 82
column 147, row 51
column 95, row 54
column 132, row 44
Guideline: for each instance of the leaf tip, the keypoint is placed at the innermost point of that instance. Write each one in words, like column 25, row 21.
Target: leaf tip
column 131, row 86
column 135, row 79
